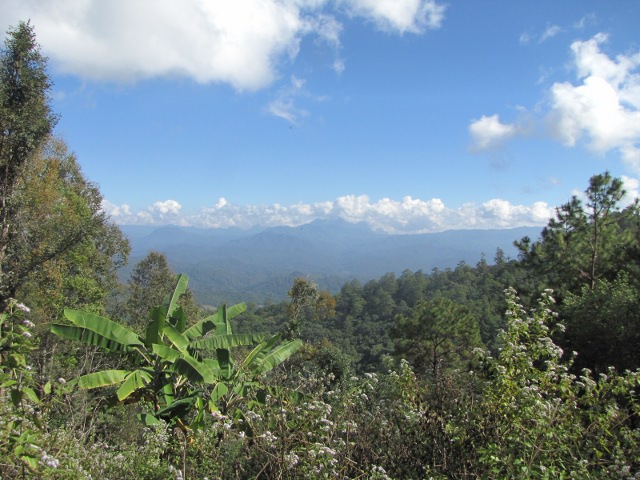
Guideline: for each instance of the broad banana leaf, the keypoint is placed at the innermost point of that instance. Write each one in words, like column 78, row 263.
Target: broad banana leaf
column 227, row 341
column 166, row 353
column 178, row 340
column 155, row 328
column 276, row 357
column 104, row 378
column 203, row 327
column 148, row 419
column 264, row 346
column 194, row 370
column 214, row 365
column 219, row 391
column 135, row 380
column 95, row 330
column 177, row 409
column 186, row 365
column 171, row 301
column 223, row 357
column 218, row 322
column 178, row 319
column 242, row 388
column 167, row 393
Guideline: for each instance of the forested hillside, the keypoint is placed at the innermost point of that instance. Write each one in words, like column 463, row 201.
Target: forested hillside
column 232, row 265
column 522, row 367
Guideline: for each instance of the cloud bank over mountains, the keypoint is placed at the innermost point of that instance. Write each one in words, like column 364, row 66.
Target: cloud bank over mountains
column 409, row 215
column 238, row 42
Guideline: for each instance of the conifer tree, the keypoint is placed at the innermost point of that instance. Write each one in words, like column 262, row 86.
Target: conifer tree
column 26, row 120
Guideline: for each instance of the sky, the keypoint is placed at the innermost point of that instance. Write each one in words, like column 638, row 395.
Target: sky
column 413, row 116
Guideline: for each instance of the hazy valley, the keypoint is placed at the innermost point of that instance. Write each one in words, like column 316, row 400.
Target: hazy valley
column 231, row 265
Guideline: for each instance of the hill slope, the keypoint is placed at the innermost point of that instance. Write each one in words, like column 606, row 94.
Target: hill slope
column 255, row 265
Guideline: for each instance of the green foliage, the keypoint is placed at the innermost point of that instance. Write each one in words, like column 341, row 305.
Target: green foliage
column 25, row 121
column 72, row 251
column 585, row 243
column 439, row 335
column 603, row 325
column 21, row 443
column 308, row 306
column 151, row 280
column 544, row 422
column 171, row 370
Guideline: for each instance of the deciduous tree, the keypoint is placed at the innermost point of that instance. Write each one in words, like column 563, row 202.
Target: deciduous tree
column 63, row 251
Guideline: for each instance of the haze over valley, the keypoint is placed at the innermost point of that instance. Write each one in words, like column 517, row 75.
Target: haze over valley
column 231, row 265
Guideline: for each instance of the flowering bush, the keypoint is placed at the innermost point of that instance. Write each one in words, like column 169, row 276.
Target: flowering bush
column 21, row 446
column 544, row 422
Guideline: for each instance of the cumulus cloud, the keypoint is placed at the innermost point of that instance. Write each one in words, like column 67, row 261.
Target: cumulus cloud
column 602, row 107
column 489, row 133
column 239, row 43
column 605, row 104
column 160, row 213
column 632, row 189
column 409, row 215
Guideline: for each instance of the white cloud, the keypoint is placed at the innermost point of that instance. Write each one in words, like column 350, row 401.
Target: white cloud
column 525, row 38
column 632, row 189
column 550, row 32
column 604, row 106
column 339, row 66
column 284, row 105
column 409, row 215
column 161, row 212
column 238, row 42
column 489, row 132
column 166, row 208
column 414, row 16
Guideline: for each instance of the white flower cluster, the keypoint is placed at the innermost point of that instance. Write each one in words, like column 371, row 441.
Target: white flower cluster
column 177, row 472
column 268, row 436
column 49, row 461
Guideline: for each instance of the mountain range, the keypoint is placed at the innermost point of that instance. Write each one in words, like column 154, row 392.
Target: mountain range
column 230, row 265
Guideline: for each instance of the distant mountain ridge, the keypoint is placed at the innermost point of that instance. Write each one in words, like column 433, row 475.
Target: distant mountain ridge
column 259, row 264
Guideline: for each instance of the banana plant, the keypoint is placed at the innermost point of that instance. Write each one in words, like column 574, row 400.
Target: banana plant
column 178, row 368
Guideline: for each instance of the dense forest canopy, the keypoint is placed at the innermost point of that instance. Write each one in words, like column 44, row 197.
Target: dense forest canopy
column 515, row 368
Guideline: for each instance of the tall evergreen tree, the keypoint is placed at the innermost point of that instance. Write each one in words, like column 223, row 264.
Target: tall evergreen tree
column 437, row 336
column 151, row 280
column 586, row 241
column 26, row 120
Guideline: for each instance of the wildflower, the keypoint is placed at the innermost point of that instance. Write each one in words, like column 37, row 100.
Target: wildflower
column 49, row 461
column 217, row 415
column 23, row 307
column 268, row 436
column 291, row 459
column 62, row 381
column 28, row 323
column 27, row 334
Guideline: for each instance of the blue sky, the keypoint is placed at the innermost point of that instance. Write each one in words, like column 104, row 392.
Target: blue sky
column 410, row 115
